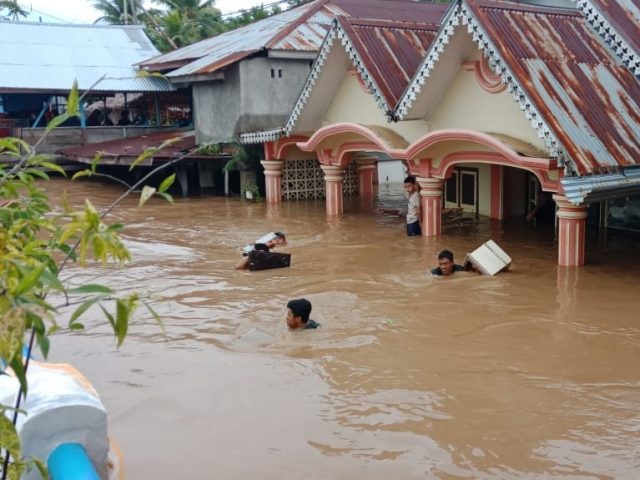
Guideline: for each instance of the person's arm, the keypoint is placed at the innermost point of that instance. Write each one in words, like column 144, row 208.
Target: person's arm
column 243, row 264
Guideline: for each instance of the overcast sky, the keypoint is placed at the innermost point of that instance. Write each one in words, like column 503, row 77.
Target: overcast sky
column 81, row 11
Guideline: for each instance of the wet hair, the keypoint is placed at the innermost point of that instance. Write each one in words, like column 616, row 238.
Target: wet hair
column 410, row 179
column 300, row 308
column 280, row 235
column 261, row 247
column 445, row 254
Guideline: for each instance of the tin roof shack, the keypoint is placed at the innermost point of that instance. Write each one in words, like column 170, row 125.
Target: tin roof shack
column 249, row 79
column 39, row 63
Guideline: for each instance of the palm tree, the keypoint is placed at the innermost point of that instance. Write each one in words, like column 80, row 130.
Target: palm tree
column 14, row 10
column 113, row 11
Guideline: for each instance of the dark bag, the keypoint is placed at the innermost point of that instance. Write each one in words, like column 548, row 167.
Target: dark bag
column 260, row 260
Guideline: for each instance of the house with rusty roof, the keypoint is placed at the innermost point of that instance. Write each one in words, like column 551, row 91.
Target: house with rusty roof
column 39, row 63
column 509, row 101
column 249, row 79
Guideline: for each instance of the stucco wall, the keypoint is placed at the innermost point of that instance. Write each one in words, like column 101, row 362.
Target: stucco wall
column 216, row 107
column 266, row 101
column 248, row 99
column 466, row 104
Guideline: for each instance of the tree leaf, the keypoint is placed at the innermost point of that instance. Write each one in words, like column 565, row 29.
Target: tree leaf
column 96, row 161
column 21, row 374
column 155, row 315
column 76, row 326
column 56, row 122
column 73, row 100
column 43, row 343
column 147, row 193
column 166, row 196
column 29, row 280
column 54, row 167
column 51, row 280
column 112, row 322
column 81, row 173
column 9, row 438
column 42, row 470
column 122, row 321
column 84, row 306
column 92, row 288
column 148, row 153
column 166, row 183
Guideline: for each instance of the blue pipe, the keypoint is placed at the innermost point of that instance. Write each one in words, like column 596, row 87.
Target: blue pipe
column 69, row 461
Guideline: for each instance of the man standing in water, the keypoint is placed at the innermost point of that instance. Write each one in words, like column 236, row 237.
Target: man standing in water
column 298, row 312
column 413, row 213
column 446, row 265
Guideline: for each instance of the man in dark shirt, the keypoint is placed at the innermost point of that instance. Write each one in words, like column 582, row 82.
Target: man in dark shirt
column 446, row 265
column 298, row 312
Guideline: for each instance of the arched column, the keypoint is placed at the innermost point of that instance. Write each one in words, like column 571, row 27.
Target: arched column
column 431, row 203
column 334, row 179
column 273, row 179
column 571, row 232
column 366, row 172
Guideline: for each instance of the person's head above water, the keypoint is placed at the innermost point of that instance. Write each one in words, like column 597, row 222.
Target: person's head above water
column 279, row 238
column 445, row 262
column 410, row 185
column 298, row 312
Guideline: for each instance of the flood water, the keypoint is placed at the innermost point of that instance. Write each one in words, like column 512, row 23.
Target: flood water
column 533, row 373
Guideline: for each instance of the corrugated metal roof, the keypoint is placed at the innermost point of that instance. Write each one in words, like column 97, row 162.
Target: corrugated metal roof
column 595, row 188
column 391, row 52
column 589, row 100
column 49, row 57
column 300, row 29
column 125, row 150
column 618, row 22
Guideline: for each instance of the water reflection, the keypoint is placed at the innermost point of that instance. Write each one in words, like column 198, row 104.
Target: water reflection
column 528, row 374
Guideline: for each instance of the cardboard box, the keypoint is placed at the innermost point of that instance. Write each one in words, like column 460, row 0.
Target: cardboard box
column 489, row 258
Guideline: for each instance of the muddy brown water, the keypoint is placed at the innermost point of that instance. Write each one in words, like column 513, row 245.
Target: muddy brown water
column 534, row 373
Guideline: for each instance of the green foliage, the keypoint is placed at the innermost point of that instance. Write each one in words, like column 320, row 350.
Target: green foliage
column 254, row 191
column 36, row 242
column 12, row 10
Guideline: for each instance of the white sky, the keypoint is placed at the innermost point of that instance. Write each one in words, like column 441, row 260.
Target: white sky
column 81, row 11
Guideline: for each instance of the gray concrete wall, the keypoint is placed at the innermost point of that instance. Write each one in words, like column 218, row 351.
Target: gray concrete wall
column 270, row 87
column 216, row 107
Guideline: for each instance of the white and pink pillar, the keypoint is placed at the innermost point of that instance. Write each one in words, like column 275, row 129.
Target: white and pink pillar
column 334, row 179
column 431, row 203
column 273, row 179
column 571, row 232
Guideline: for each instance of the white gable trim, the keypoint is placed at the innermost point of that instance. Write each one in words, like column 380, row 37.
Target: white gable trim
column 262, row 136
column 599, row 23
column 499, row 67
column 336, row 32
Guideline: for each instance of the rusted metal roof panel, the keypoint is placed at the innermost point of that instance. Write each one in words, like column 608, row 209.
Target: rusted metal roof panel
column 588, row 99
column 390, row 51
column 127, row 149
column 49, row 57
column 618, row 22
column 254, row 36
column 395, row 10
column 300, row 29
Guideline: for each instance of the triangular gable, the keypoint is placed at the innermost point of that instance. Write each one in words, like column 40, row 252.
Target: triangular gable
column 384, row 54
column 582, row 102
column 618, row 23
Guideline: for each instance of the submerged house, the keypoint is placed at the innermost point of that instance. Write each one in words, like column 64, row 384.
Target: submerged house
column 509, row 100
column 39, row 63
column 248, row 79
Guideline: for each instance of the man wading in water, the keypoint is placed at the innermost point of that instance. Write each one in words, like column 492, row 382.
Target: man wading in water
column 413, row 213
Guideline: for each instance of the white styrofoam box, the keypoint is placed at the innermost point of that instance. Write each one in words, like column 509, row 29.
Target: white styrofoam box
column 489, row 258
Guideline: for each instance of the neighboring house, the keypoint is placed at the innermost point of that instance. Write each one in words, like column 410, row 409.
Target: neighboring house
column 486, row 120
column 39, row 63
column 249, row 79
